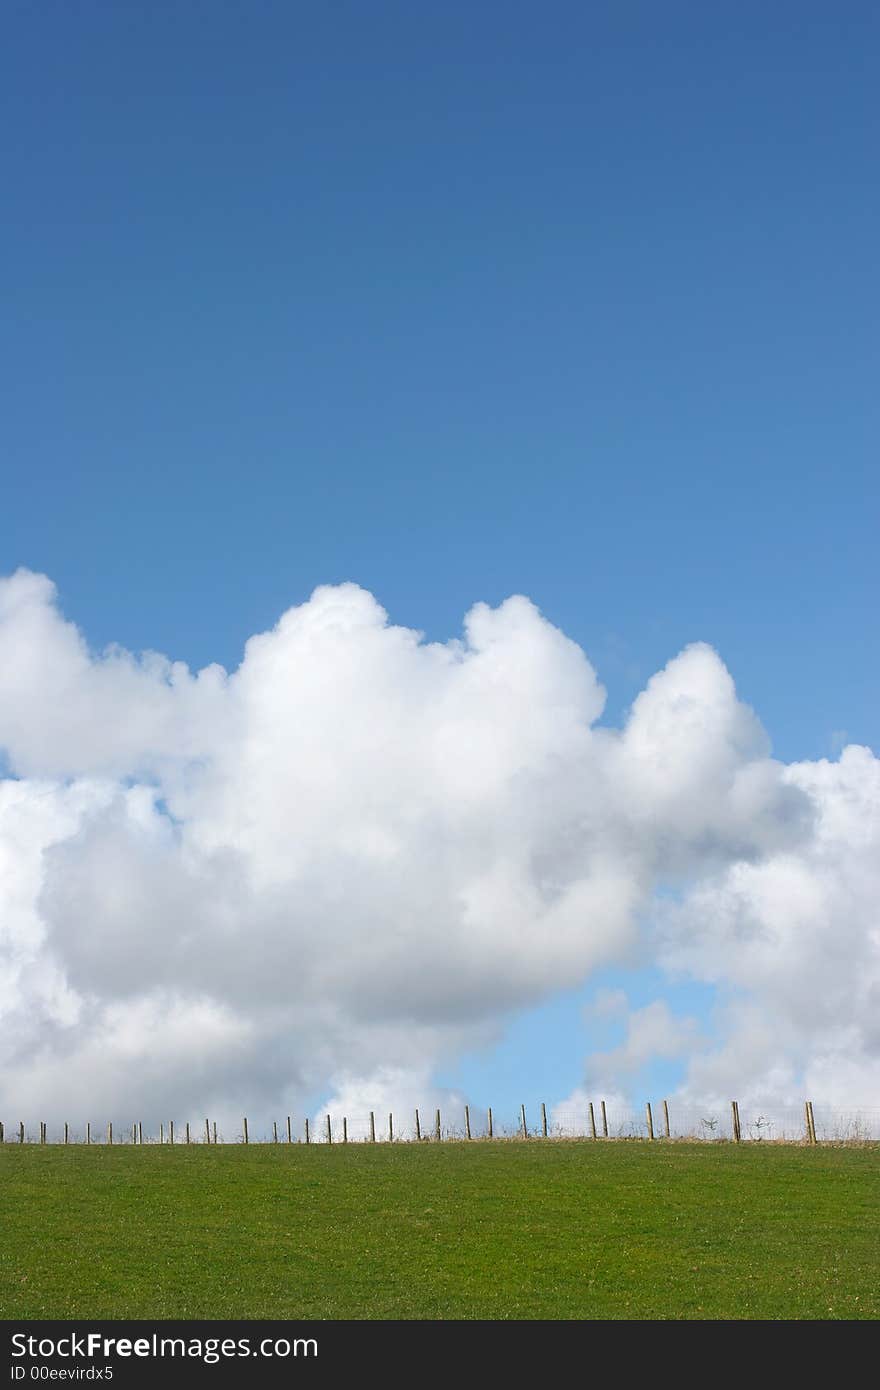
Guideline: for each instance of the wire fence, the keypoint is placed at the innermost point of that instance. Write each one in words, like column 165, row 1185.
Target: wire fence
column 595, row 1120
column 775, row 1123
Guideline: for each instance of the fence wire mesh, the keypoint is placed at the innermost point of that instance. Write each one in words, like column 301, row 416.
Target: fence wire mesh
column 613, row 1121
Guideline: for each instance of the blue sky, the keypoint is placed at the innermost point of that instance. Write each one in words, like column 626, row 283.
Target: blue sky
column 455, row 301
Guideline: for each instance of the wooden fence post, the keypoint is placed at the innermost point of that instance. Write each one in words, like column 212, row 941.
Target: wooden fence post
column 665, row 1120
column 274, row 1131
column 807, row 1121
column 187, row 1131
column 811, row 1123
column 171, row 1131
column 418, row 1126
column 490, row 1123
column 390, row 1128
column 437, row 1127
column 734, row 1110
column 372, row 1128
column 140, row 1131
column 592, row 1121
column 245, row 1128
column 21, row 1132
column 345, row 1129
column 329, row 1131
column 110, row 1132
column 2, row 1132
column 650, row 1118
column 289, row 1136
column 307, row 1129
column 543, row 1120
column 604, row 1121
column 161, row 1132
column 215, row 1131
column 207, row 1132
column 467, row 1121
column 43, row 1131
column 522, row 1112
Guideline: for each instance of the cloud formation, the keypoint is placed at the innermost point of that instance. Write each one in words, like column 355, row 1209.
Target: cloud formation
column 361, row 851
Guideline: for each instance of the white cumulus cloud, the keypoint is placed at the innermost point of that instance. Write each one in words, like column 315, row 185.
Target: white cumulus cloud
column 348, row 860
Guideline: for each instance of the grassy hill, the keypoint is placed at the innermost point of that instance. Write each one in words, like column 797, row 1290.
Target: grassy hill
column 558, row 1229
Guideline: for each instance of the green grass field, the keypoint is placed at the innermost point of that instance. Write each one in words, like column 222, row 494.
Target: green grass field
column 482, row 1230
